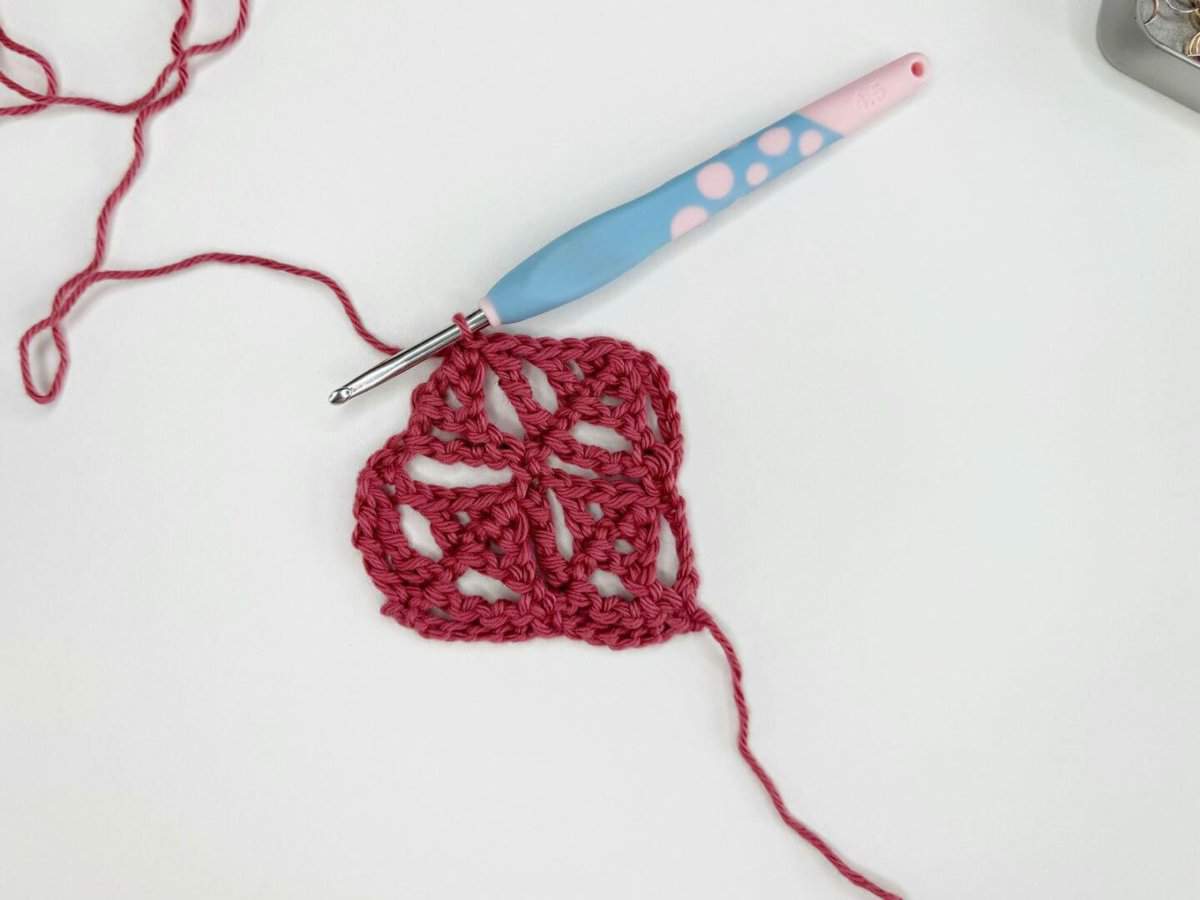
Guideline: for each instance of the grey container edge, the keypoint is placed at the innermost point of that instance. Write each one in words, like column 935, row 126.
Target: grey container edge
column 1129, row 47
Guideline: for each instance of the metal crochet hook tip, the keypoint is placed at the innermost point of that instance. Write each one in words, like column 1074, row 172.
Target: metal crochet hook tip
column 406, row 359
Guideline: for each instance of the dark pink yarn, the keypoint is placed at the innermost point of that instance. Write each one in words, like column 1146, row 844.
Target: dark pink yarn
column 168, row 88
column 504, row 531
column 612, row 503
column 507, row 531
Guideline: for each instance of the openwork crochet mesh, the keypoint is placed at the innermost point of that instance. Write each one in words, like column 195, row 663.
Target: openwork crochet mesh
column 613, row 503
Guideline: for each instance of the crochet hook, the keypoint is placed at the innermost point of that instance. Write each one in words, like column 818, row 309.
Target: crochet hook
column 592, row 254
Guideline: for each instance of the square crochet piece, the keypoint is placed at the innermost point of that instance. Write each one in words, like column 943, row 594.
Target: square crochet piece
column 613, row 502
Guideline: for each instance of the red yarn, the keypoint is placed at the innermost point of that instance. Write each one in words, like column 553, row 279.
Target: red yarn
column 507, row 531
column 743, row 710
column 170, row 85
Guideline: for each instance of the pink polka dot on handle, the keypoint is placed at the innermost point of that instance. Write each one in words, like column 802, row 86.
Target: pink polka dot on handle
column 686, row 219
column 775, row 141
column 715, row 180
column 810, row 142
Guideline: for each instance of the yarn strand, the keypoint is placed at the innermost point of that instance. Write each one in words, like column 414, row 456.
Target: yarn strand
column 169, row 86
column 768, row 783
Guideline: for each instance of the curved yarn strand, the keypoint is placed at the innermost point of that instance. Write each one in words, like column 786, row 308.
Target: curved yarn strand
column 169, row 86
column 768, row 783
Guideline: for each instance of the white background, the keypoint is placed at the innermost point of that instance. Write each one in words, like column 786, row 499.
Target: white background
column 940, row 396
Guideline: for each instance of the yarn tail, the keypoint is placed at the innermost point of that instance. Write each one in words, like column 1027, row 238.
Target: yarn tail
column 811, row 837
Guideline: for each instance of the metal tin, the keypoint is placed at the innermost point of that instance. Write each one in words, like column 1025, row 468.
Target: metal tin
column 1152, row 48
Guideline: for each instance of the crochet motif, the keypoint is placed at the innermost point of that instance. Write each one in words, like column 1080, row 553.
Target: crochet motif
column 612, row 502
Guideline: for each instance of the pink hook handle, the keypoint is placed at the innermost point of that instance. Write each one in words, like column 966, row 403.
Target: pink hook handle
column 850, row 108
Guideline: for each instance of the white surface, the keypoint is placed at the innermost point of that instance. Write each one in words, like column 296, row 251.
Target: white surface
column 940, row 392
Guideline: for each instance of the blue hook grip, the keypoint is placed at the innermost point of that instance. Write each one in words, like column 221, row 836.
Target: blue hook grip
column 591, row 255
column 601, row 249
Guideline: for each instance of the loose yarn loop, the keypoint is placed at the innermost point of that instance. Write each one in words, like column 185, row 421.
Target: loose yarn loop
column 611, row 501
column 170, row 85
